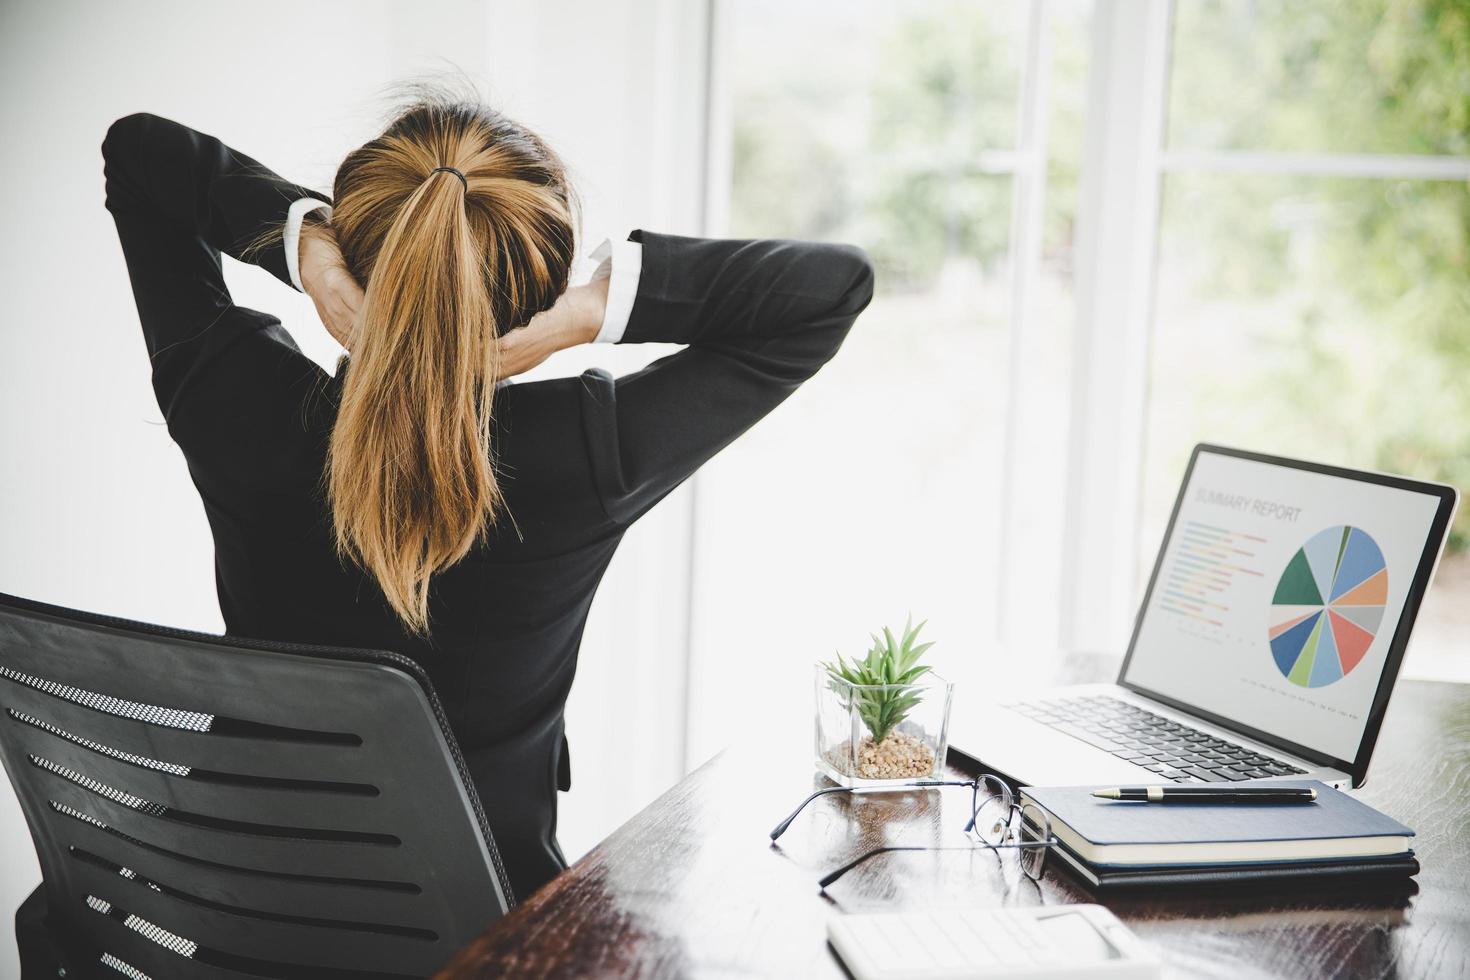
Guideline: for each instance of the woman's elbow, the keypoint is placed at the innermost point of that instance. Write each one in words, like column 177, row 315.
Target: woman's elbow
column 841, row 278
column 859, row 292
column 849, row 274
column 124, row 135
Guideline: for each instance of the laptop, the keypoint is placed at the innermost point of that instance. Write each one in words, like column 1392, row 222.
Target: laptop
column 1267, row 644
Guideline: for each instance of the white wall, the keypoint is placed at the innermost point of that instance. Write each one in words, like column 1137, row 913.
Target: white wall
column 96, row 509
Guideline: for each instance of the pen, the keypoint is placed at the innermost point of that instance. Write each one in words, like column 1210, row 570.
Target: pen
column 1210, row 794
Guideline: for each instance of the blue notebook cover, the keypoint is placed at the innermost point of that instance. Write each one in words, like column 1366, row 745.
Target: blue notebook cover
column 1334, row 816
column 1380, row 877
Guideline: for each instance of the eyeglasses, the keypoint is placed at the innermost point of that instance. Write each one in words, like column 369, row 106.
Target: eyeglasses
column 996, row 821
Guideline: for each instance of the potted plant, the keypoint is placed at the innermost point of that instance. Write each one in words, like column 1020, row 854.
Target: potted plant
column 883, row 718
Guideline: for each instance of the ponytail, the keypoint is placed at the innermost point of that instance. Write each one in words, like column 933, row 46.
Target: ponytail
column 409, row 476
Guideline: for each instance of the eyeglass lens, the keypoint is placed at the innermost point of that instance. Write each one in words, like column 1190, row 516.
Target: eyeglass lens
column 999, row 822
column 1034, row 828
column 993, row 803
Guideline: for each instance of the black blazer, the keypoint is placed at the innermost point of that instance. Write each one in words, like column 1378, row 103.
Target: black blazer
column 580, row 458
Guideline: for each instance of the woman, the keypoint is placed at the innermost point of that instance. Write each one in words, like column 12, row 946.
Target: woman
column 410, row 502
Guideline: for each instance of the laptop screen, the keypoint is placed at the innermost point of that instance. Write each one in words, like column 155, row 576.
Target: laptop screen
column 1276, row 597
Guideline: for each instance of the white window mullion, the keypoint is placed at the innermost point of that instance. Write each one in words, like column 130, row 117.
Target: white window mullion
column 719, row 127
column 1021, row 567
column 716, row 182
column 1117, row 231
column 1379, row 166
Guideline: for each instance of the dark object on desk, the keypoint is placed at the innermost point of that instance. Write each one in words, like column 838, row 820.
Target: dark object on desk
column 209, row 807
column 1377, row 876
column 1208, row 794
column 1337, row 828
column 691, row 887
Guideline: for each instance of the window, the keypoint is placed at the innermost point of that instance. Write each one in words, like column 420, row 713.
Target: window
column 1104, row 231
column 1313, row 279
column 919, row 129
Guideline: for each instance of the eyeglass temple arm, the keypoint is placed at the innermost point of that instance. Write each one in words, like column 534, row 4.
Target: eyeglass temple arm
column 829, row 879
column 822, row 885
column 781, row 827
column 918, row 784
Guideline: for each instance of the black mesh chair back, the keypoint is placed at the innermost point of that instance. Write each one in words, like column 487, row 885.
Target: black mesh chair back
column 212, row 807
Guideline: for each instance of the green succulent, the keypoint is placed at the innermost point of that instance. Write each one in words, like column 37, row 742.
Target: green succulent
column 883, row 688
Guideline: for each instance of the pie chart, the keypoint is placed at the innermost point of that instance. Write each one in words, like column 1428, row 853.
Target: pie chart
column 1328, row 606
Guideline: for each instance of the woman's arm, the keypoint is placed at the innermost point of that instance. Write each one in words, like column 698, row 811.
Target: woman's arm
column 179, row 198
column 759, row 318
column 197, row 183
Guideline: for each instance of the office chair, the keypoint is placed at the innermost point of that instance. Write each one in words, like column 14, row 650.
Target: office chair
column 213, row 807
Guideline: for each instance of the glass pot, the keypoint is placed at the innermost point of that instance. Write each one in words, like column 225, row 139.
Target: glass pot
column 913, row 720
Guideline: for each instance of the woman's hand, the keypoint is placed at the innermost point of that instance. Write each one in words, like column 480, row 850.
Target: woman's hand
column 574, row 320
column 331, row 287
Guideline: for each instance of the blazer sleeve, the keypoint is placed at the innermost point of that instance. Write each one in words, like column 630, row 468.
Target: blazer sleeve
column 758, row 317
column 180, row 199
column 197, row 183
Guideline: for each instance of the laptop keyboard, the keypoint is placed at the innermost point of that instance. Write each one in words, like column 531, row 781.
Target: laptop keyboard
column 1176, row 752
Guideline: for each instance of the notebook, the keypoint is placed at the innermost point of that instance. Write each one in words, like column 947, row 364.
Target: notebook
column 1384, row 875
column 1113, row 834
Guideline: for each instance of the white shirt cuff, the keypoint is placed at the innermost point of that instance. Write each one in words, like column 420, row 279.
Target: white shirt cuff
column 621, row 263
column 291, row 234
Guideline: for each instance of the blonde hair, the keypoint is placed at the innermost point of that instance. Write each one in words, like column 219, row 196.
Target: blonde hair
column 447, row 267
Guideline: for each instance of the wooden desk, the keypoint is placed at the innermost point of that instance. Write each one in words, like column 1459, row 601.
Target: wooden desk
column 693, row 887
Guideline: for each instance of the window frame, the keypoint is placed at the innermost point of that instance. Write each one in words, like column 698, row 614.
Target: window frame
column 1125, row 161
column 1025, row 163
column 1132, row 42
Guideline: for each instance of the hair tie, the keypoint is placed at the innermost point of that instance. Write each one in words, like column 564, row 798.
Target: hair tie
column 452, row 171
